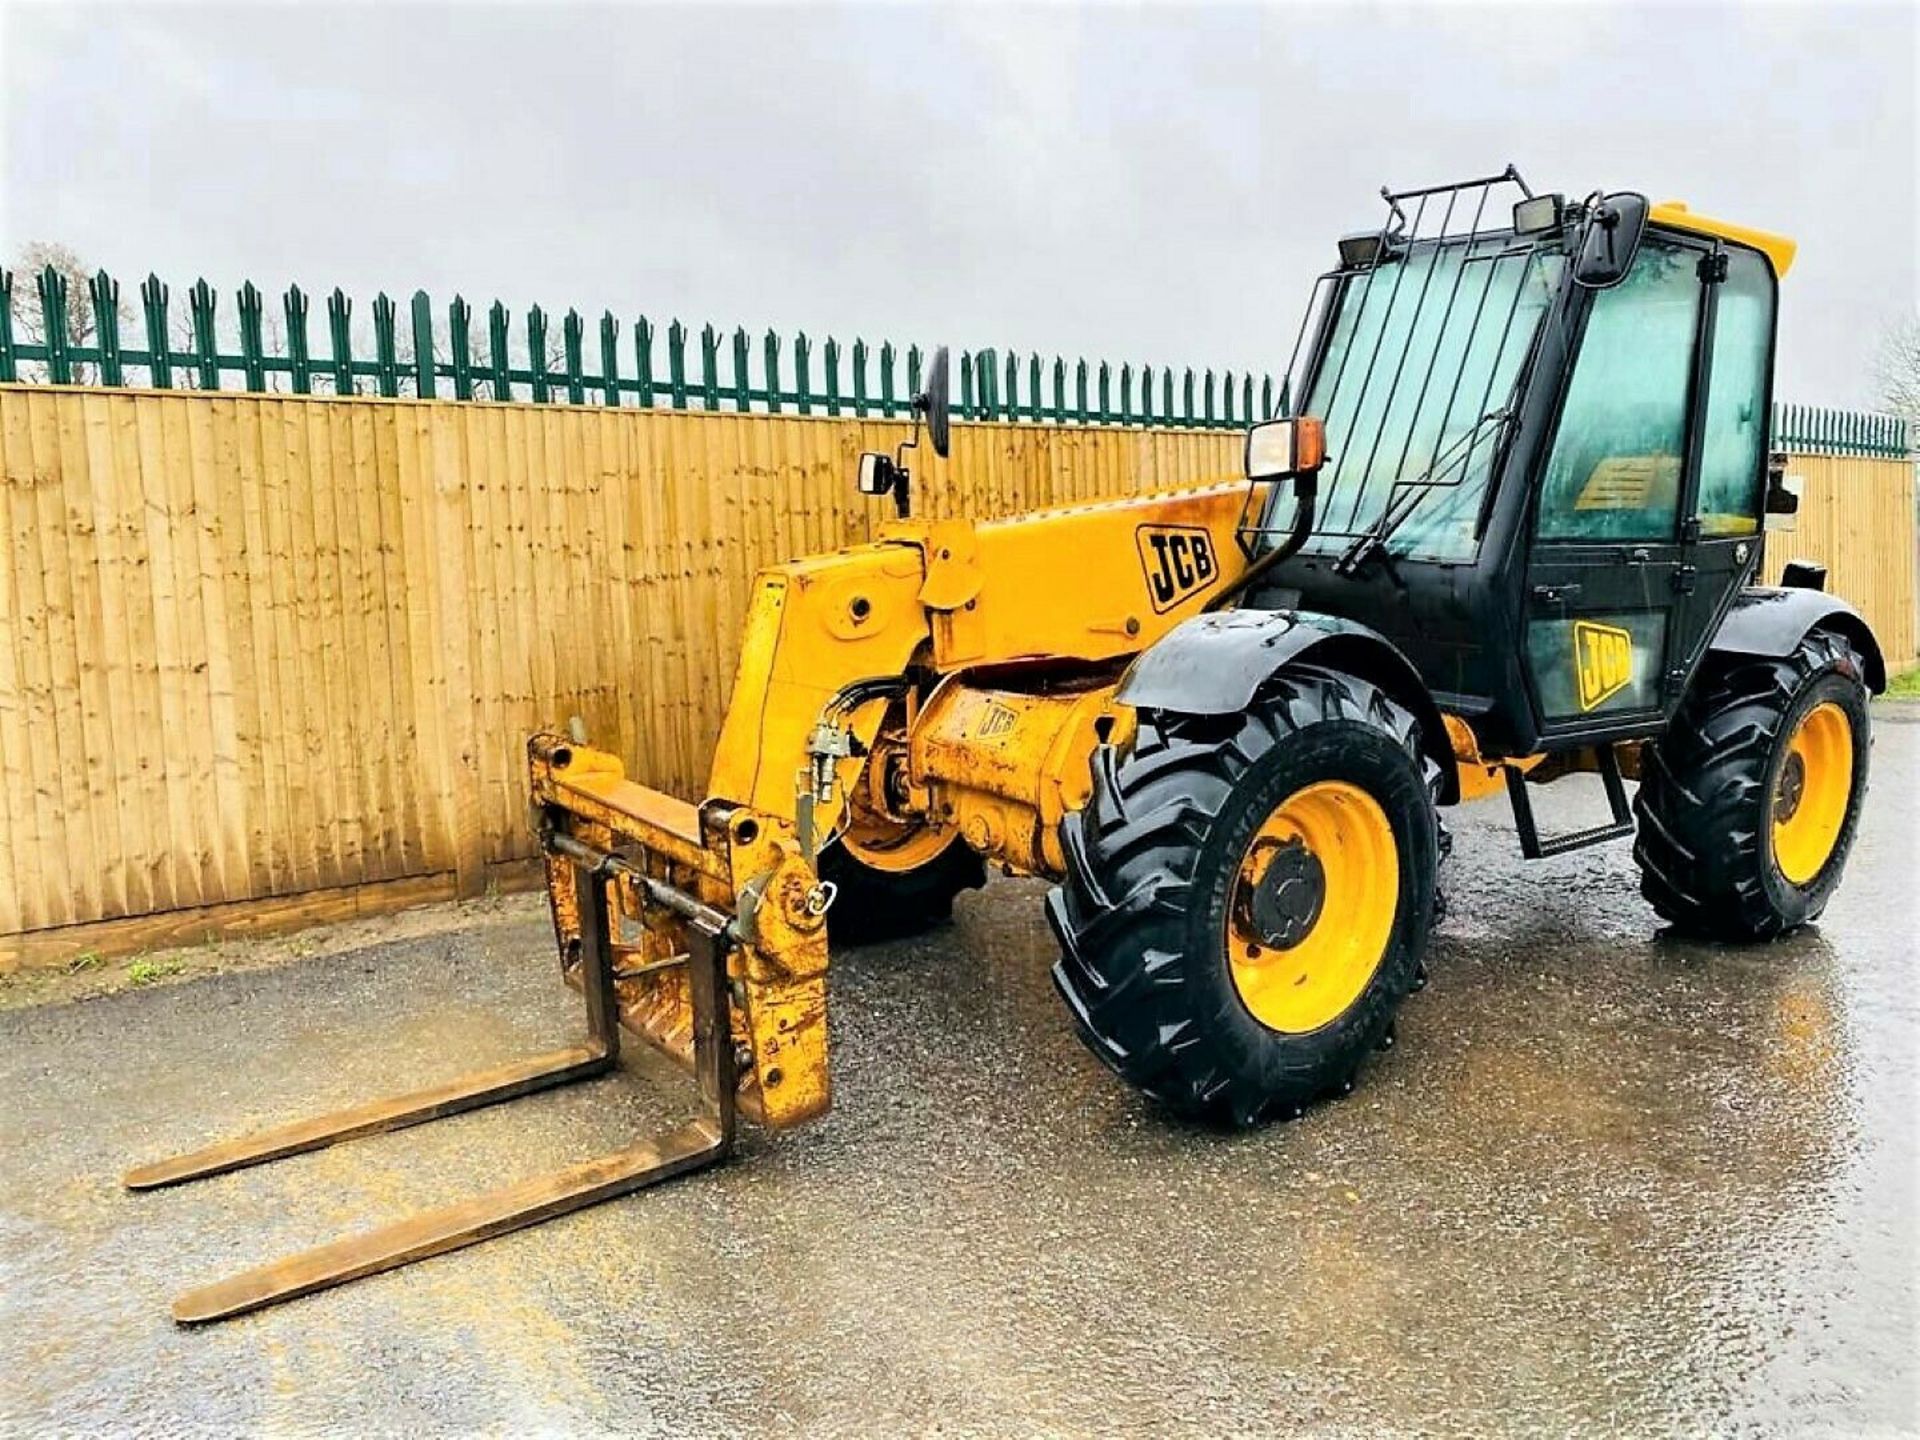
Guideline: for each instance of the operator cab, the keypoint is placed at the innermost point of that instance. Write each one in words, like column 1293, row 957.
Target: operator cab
column 1545, row 451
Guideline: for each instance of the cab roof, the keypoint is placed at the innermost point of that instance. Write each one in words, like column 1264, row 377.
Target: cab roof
column 1778, row 249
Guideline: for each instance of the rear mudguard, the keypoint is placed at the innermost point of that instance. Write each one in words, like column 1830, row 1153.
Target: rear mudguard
column 1770, row 621
column 1213, row 664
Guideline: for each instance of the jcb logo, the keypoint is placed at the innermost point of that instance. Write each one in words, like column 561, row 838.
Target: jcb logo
column 1603, row 658
column 998, row 720
column 1178, row 560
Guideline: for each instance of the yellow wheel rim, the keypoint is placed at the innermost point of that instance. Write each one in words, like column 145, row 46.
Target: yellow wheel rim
column 895, row 849
column 1809, row 804
column 1313, row 907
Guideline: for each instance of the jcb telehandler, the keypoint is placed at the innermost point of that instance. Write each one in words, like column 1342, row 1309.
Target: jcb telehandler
column 1505, row 529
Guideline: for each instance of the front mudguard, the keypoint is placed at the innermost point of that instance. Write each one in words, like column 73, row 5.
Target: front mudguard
column 1213, row 665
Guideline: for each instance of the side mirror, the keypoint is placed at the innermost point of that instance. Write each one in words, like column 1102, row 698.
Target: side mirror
column 1612, row 239
column 1281, row 449
column 878, row 474
column 932, row 402
column 1783, row 495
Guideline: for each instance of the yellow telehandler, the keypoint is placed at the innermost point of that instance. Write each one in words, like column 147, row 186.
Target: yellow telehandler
column 1504, row 529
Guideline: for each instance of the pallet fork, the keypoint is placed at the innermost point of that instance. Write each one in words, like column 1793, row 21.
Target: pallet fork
column 703, row 1141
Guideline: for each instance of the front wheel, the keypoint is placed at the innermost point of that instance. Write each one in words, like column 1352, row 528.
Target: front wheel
column 894, row 882
column 1749, row 802
column 1248, row 897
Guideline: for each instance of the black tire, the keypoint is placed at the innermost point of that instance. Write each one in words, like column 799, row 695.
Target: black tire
column 1151, row 864
column 1707, row 786
column 875, row 905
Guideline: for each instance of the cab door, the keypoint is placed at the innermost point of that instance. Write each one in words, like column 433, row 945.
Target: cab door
column 1612, row 562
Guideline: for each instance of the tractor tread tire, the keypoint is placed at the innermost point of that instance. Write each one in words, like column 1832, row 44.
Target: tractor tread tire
column 875, row 905
column 1705, row 787
column 1140, row 864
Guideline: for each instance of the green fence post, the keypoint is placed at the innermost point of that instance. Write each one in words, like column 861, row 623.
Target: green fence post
column 9, row 359
column 537, row 353
column 859, row 377
column 1009, row 406
column 772, row 358
column 253, row 370
column 460, row 346
column 742, row 382
column 709, row 367
column 299, row 361
column 153, row 304
column 340, row 336
column 1146, row 395
column 1059, row 389
column 677, row 365
column 887, row 357
column 1033, row 387
column 966, row 385
column 500, row 351
column 609, row 360
column 105, row 291
column 1080, row 391
column 53, row 320
column 1107, row 416
column 830, row 354
column 573, row 344
column 200, row 303
column 643, row 360
column 1167, row 411
column 1246, row 401
column 803, row 396
column 913, row 371
column 423, row 360
column 1226, row 398
column 386, row 347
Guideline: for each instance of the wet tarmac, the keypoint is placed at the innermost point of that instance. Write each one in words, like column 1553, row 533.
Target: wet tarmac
column 1607, row 1182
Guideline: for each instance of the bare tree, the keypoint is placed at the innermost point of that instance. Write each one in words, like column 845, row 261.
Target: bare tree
column 29, row 319
column 1899, row 370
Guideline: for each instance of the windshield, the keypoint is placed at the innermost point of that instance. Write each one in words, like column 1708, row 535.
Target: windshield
column 1417, row 383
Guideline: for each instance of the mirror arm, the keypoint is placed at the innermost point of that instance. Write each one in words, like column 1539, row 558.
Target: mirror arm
column 1306, row 492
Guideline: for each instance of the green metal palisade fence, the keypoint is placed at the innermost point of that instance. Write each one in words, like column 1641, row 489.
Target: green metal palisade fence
column 658, row 370
column 676, row 369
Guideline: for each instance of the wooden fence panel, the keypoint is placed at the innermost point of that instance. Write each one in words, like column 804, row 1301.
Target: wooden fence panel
column 1857, row 518
column 276, row 650
column 266, row 659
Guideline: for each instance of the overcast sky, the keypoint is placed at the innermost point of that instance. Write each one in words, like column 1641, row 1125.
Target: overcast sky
column 1156, row 184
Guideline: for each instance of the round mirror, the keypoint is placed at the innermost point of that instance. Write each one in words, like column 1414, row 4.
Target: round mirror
column 933, row 401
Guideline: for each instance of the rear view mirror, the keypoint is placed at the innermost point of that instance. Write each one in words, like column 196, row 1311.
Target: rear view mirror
column 932, row 402
column 1612, row 239
column 1783, row 495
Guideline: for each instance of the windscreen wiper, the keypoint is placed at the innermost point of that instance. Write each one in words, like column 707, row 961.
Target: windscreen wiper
column 1406, row 496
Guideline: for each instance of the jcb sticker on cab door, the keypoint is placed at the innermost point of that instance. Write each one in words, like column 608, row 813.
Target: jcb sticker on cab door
column 1603, row 660
column 1178, row 561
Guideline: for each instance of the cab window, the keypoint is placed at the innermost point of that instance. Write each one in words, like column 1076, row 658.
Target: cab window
column 1733, row 448
column 1614, row 471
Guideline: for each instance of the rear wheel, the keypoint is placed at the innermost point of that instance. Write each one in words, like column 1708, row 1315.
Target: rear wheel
column 1749, row 802
column 1248, row 897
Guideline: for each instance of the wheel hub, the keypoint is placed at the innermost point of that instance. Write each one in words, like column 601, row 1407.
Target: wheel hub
column 1288, row 899
column 1792, row 785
